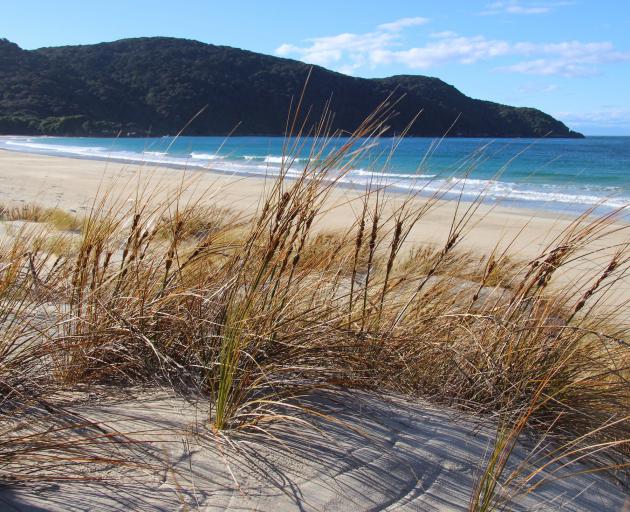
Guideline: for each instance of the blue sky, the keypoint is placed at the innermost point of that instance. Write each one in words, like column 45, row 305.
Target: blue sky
column 568, row 58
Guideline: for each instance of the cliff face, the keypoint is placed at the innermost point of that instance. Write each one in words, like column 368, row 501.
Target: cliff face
column 156, row 85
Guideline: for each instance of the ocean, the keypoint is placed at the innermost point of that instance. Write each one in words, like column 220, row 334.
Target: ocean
column 566, row 175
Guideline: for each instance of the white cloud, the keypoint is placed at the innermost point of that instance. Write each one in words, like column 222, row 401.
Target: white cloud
column 330, row 50
column 549, row 67
column 443, row 34
column 520, row 7
column 402, row 23
column 537, row 88
column 570, row 58
column 349, row 52
column 606, row 117
column 465, row 50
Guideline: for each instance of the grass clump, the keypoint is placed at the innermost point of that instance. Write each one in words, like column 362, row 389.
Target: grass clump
column 253, row 313
column 63, row 220
column 55, row 217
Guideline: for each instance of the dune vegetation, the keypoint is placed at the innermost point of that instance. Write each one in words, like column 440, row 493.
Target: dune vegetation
column 252, row 314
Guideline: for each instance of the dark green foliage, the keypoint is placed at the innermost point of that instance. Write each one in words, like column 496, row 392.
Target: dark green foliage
column 156, row 85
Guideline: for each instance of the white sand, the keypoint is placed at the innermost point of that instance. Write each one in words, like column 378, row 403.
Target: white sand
column 385, row 454
column 73, row 184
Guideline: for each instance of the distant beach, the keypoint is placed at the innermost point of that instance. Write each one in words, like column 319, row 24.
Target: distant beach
column 559, row 175
column 73, row 183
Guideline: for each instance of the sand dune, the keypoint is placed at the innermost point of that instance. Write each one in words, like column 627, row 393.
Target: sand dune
column 381, row 453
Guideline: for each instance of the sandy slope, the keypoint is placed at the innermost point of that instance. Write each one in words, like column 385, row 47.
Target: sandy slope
column 381, row 454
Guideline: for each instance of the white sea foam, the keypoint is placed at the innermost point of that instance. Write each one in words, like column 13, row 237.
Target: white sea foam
column 259, row 165
column 28, row 144
column 523, row 192
column 274, row 159
column 206, row 156
column 407, row 176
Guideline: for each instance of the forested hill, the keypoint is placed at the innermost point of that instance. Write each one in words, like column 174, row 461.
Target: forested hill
column 156, row 85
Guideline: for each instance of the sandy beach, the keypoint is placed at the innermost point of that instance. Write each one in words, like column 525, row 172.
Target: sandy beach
column 73, row 184
column 382, row 452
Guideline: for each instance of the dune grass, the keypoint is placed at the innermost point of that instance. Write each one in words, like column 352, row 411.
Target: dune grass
column 254, row 312
column 56, row 217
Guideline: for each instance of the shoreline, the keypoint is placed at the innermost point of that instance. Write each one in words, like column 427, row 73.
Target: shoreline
column 8, row 157
column 72, row 184
column 500, row 176
column 62, row 169
column 393, row 190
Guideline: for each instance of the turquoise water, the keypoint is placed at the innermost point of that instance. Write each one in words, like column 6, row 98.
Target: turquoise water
column 557, row 174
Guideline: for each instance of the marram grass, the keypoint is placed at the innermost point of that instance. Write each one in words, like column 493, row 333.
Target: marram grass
column 250, row 312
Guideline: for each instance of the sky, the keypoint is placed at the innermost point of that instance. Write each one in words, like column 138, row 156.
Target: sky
column 570, row 58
